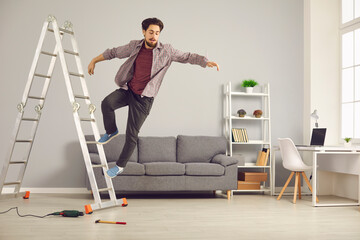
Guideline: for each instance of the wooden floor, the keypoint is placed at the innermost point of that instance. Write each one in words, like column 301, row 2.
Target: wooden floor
column 181, row 216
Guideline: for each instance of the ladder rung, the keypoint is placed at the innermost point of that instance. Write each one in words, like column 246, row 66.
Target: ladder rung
column 81, row 96
column 47, row 53
column 87, row 119
column 24, row 141
column 71, row 52
column 76, row 74
column 30, row 119
column 66, row 31
column 12, row 183
column 39, row 98
column 52, row 30
column 91, row 142
column 105, row 189
column 97, row 165
column 41, row 75
column 17, row 162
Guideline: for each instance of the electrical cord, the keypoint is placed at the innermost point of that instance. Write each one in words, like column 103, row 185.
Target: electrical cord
column 64, row 213
column 27, row 215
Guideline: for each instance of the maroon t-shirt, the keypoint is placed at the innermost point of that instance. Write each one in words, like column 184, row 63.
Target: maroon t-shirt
column 142, row 70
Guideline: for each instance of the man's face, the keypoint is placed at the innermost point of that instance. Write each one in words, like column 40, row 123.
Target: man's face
column 151, row 36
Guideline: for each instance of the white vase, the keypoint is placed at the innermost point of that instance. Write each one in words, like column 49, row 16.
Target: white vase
column 249, row 89
column 347, row 144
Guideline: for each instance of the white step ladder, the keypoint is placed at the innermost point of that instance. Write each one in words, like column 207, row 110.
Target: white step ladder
column 50, row 25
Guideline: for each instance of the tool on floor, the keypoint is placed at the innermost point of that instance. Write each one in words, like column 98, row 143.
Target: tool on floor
column 69, row 213
column 30, row 95
column 100, row 221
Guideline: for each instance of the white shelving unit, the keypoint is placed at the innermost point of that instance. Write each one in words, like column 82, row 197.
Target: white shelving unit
column 264, row 123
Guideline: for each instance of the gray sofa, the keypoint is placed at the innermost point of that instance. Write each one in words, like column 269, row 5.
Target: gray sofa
column 185, row 163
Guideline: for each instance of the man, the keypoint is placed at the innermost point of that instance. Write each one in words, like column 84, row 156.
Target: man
column 139, row 79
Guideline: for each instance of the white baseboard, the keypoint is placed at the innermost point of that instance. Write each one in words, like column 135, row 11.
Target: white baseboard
column 49, row 190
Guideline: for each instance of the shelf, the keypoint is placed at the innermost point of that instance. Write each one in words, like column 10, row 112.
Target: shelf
column 247, row 118
column 259, row 100
column 251, row 142
column 247, row 94
column 267, row 189
column 250, row 166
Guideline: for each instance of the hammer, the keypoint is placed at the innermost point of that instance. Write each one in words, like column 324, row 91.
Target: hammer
column 100, row 221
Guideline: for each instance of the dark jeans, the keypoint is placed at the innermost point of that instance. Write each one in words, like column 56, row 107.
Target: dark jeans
column 139, row 109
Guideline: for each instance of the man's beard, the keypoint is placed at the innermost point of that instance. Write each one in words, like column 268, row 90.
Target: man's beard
column 151, row 44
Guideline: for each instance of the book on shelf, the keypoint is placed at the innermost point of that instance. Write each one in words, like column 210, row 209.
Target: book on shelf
column 263, row 157
column 239, row 135
column 267, row 157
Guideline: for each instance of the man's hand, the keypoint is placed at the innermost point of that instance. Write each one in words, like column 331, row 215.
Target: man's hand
column 213, row 64
column 91, row 68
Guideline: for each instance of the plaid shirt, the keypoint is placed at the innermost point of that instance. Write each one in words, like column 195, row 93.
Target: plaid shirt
column 163, row 56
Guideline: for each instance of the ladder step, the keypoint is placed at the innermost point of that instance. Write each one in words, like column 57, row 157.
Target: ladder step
column 12, row 183
column 24, row 141
column 30, row 119
column 41, row 75
column 47, row 53
column 76, row 74
column 71, row 52
column 62, row 31
column 52, row 30
column 34, row 97
column 97, row 165
column 17, row 162
column 91, row 142
column 81, row 96
column 87, row 119
column 105, row 189
column 66, row 31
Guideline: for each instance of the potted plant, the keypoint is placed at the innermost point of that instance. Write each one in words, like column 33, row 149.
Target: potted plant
column 249, row 85
column 347, row 142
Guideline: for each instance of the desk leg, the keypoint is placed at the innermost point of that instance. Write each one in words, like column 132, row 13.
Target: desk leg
column 314, row 179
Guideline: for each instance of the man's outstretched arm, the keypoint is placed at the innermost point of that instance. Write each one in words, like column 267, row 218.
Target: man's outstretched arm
column 192, row 58
column 95, row 60
column 117, row 52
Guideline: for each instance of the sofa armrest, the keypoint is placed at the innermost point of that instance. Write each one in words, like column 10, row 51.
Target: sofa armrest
column 224, row 160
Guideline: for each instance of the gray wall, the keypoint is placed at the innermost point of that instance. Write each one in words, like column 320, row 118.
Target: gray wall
column 255, row 39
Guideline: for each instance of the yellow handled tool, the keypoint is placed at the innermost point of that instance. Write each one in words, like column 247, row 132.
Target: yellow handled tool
column 100, row 221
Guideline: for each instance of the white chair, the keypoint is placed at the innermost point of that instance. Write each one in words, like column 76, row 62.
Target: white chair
column 293, row 162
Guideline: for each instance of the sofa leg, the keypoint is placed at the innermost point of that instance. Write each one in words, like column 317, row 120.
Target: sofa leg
column 228, row 192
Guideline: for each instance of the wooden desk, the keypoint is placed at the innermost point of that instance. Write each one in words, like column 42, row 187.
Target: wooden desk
column 338, row 167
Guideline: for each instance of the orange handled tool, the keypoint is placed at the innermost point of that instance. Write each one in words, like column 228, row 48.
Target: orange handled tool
column 100, row 221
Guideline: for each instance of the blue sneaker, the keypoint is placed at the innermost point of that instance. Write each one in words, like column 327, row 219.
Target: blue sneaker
column 114, row 171
column 107, row 137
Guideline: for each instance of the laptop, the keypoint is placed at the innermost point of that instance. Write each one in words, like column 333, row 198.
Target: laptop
column 317, row 137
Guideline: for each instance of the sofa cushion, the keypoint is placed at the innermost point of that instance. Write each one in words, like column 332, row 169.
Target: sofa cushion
column 199, row 148
column 157, row 149
column 112, row 149
column 131, row 169
column 204, row 169
column 164, row 169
